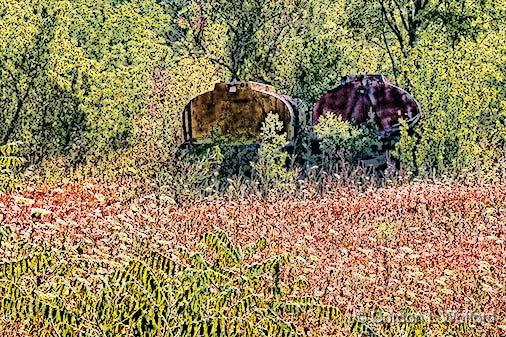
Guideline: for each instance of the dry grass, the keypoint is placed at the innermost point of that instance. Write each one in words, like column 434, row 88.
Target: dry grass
column 432, row 248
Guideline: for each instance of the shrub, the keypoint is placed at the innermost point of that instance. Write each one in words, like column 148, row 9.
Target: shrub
column 270, row 169
column 341, row 142
column 405, row 149
column 461, row 92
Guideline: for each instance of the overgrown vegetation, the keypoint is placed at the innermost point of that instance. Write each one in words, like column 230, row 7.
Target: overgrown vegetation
column 342, row 143
column 78, row 90
column 211, row 292
column 77, row 261
column 270, row 169
column 280, row 239
column 10, row 163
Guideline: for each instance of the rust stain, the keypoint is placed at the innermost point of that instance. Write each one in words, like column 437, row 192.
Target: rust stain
column 357, row 96
column 235, row 111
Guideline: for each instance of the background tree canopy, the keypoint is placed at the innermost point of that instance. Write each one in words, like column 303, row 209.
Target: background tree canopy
column 82, row 80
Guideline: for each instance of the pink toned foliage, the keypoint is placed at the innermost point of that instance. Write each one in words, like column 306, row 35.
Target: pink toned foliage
column 429, row 247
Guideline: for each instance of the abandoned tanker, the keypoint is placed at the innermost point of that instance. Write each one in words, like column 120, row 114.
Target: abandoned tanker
column 358, row 97
column 235, row 111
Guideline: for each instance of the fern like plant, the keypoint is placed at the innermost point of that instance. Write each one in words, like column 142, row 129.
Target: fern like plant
column 221, row 289
column 10, row 163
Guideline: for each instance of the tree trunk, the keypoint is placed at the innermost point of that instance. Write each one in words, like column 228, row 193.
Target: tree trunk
column 16, row 117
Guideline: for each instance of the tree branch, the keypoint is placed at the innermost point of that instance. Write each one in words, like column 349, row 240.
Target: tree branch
column 403, row 20
column 392, row 25
column 392, row 60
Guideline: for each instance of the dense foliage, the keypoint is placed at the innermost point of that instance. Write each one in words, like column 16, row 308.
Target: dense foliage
column 109, row 228
column 211, row 292
column 94, row 82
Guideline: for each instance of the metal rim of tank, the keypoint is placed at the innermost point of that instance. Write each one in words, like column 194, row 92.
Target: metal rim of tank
column 412, row 121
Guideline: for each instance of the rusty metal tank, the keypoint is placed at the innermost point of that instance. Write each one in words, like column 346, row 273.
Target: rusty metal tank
column 360, row 96
column 236, row 111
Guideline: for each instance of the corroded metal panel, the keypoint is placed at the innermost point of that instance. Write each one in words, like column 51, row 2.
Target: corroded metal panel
column 236, row 112
column 359, row 96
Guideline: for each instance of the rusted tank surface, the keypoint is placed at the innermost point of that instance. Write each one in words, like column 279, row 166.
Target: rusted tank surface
column 358, row 96
column 236, row 111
